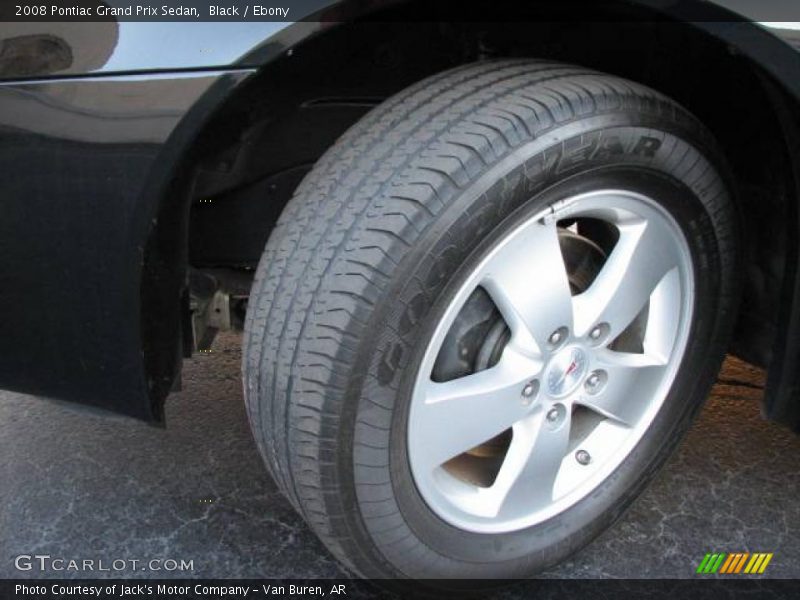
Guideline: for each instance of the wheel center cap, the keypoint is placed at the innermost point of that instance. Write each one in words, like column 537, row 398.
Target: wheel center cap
column 566, row 371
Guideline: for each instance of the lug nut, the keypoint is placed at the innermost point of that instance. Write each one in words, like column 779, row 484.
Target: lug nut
column 555, row 416
column 583, row 457
column 599, row 332
column 595, row 381
column 557, row 336
column 529, row 391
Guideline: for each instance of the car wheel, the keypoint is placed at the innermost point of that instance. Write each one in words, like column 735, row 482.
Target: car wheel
column 487, row 316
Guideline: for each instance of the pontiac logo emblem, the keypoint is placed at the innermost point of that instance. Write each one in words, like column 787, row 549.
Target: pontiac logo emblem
column 565, row 372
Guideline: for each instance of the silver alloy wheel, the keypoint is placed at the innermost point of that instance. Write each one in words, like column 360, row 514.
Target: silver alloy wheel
column 559, row 362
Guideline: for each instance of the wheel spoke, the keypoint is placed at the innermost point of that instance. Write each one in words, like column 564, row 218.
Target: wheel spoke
column 460, row 414
column 533, row 460
column 643, row 255
column 527, row 280
column 629, row 387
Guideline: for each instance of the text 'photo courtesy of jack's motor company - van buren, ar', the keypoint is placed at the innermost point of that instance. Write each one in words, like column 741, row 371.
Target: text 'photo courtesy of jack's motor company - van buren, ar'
column 147, row 11
column 169, row 591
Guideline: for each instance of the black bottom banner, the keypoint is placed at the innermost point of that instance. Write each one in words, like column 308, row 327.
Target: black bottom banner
column 541, row 589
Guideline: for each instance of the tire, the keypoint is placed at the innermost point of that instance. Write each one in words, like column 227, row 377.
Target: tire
column 391, row 226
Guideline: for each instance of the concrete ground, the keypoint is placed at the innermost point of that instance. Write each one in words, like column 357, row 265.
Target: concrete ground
column 88, row 487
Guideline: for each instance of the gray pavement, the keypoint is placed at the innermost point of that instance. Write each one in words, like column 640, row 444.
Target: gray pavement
column 80, row 487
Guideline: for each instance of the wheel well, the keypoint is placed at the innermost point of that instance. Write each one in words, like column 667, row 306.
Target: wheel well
column 252, row 154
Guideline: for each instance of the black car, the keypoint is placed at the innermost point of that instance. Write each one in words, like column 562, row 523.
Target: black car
column 487, row 268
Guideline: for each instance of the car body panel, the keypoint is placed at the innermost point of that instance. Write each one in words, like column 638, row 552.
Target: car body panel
column 77, row 158
column 112, row 48
column 90, row 140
